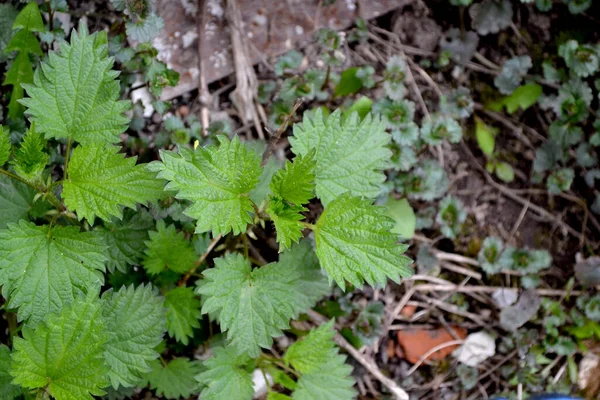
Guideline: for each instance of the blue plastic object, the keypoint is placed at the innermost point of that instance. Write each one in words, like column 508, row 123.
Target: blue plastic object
column 547, row 397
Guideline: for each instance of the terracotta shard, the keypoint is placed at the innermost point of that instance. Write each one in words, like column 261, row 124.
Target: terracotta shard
column 417, row 342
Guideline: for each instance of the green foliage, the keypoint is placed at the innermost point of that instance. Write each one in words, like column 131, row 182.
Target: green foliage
column 459, row 104
column 42, row 269
column 63, row 354
column 100, row 181
column 394, row 78
column 239, row 297
column 135, row 318
column 29, row 20
column 491, row 16
column 581, row 59
column 30, row 160
column 290, row 60
column 350, row 82
column 511, row 76
column 525, row 260
column 560, row 181
column 183, row 313
column 354, row 243
column 175, row 379
column 7, row 389
column 434, row 131
column 125, row 239
column 324, row 375
column 168, row 249
column 8, row 13
column 5, row 145
column 592, row 308
column 486, row 137
column 522, row 98
column 489, row 255
column 427, row 181
column 225, row 376
column 404, row 216
column 451, row 216
column 217, row 180
column 75, row 93
column 339, row 148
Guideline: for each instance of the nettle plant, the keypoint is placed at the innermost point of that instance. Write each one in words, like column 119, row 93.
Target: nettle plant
column 69, row 239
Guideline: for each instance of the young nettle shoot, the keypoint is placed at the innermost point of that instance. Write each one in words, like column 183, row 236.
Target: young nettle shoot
column 489, row 255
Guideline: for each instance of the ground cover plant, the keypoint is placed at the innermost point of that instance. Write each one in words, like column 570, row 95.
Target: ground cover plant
column 162, row 255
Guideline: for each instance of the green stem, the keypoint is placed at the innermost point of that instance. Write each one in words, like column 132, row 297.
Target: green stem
column 18, row 178
column 309, row 226
column 245, row 241
column 67, row 157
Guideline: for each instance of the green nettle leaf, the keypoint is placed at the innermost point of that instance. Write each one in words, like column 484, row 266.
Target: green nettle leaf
column 145, row 29
column 252, row 306
column 135, row 318
column 30, row 159
column 5, row 145
column 350, row 155
column 63, row 354
column 354, row 243
column 126, row 239
column 290, row 60
column 176, row 379
column 217, row 180
column 42, row 268
column 324, row 374
column 168, row 249
column 311, row 284
column 7, row 389
column 295, row 183
column 225, row 376
column 183, row 313
column 30, row 19
column 291, row 187
column 75, row 93
column 100, row 181
column 287, row 220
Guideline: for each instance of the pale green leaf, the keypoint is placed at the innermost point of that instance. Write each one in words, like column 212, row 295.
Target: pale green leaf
column 403, row 215
column 21, row 71
column 354, row 243
column 311, row 284
column 176, row 379
column 101, row 181
column 287, row 220
column 5, row 145
column 183, row 313
column 225, row 376
column 362, row 106
column 135, row 318
column 350, row 156
column 485, row 135
column 42, row 269
column 63, row 354
column 262, row 189
column 126, row 239
column 295, row 183
column 217, row 180
column 324, row 375
column 8, row 391
column 252, row 306
column 168, row 249
column 75, row 93
column 505, row 172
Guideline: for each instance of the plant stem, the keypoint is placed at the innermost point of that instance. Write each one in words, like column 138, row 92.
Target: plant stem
column 67, row 157
column 18, row 178
column 309, row 226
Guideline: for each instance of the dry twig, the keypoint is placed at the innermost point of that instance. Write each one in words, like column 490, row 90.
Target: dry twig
column 368, row 364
